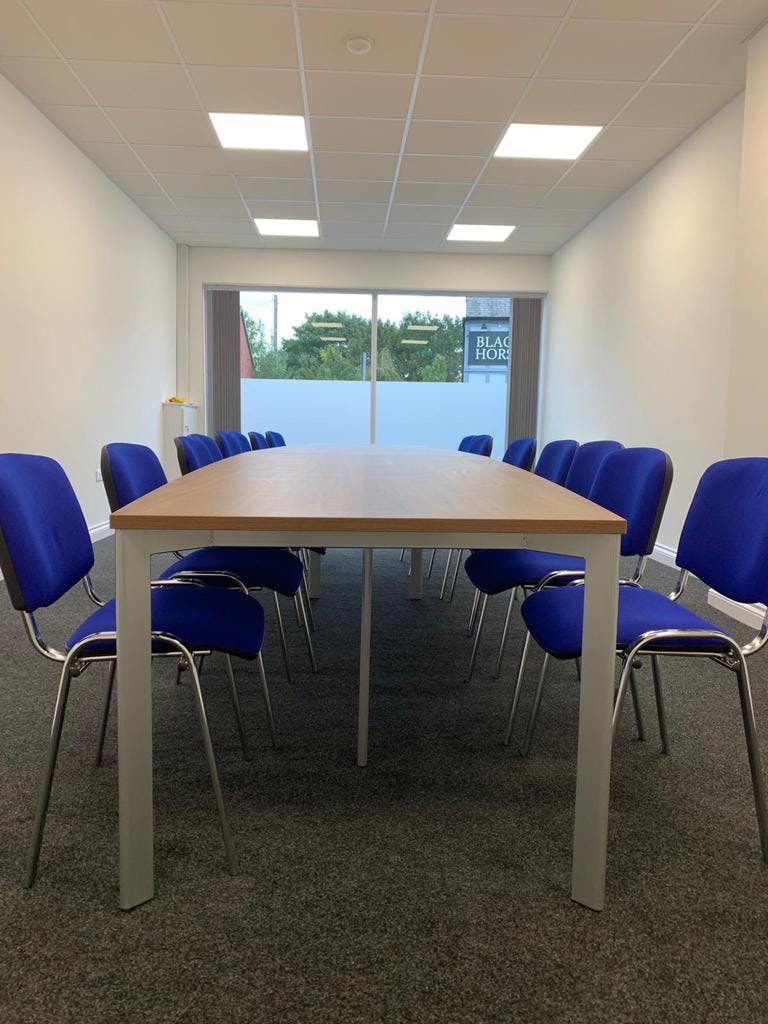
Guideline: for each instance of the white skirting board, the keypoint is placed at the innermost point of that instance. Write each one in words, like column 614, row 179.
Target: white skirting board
column 98, row 532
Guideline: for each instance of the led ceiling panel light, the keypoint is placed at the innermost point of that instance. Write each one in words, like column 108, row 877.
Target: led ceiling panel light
column 480, row 232
column 260, row 131
column 546, row 141
column 287, row 228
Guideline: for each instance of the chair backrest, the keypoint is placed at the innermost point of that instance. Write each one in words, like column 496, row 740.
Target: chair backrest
column 258, row 441
column 634, row 483
column 465, row 442
column 195, row 451
column 724, row 540
column 586, row 463
column 482, row 444
column 520, row 452
column 275, row 440
column 231, row 442
column 128, row 472
column 555, row 460
column 45, row 547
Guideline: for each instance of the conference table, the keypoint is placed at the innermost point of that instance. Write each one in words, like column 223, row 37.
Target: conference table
column 365, row 497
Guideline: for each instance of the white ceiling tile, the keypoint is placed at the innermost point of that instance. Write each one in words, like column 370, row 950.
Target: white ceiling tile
column 504, row 171
column 156, row 206
column 128, row 84
column 233, row 34
column 489, row 215
column 440, row 168
column 567, row 198
column 183, row 159
column 644, row 144
column 350, row 229
column 453, row 138
column 119, row 30
column 542, row 8
column 487, row 46
column 164, row 127
column 642, row 10
column 19, row 36
column 508, row 195
column 201, row 238
column 553, row 217
column 112, row 156
column 209, row 206
column 356, row 135
column 286, row 189
column 740, row 12
column 216, row 185
column 44, row 80
column 334, row 191
column 209, row 225
column 414, row 6
column 252, row 163
column 234, row 90
column 424, row 214
column 136, row 183
column 676, row 106
column 426, row 232
column 354, row 211
column 291, row 211
column 365, row 166
column 550, row 235
column 356, row 244
column 347, row 95
column 606, row 173
column 610, row 50
column 714, row 53
column 447, row 98
column 553, row 102
column 430, row 192
column 82, row 124
column 396, row 37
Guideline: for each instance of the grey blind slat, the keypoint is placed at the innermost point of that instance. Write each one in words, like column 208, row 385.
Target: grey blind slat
column 222, row 352
column 524, row 367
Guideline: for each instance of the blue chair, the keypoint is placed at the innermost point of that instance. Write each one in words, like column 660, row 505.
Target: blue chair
column 46, row 550
column 275, row 440
column 520, row 453
column 555, row 460
column 465, row 442
column 494, row 572
column 195, row 451
column 131, row 470
column 476, row 444
column 231, row 442
column 481, row 444
column 258, row 441
column 634, row 483
column 724, row 542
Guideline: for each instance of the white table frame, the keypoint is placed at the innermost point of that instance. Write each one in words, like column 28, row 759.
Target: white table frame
column 134, row 549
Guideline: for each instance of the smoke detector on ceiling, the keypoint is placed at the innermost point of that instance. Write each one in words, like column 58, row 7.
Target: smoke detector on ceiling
column 359, row 45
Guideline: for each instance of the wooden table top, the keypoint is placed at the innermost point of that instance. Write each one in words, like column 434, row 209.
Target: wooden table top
column 365, row 489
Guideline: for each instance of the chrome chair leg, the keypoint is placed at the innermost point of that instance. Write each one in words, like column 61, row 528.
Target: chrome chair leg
column 455, row 574
column 535, row 709
column 44, row 794
column 478, row 632
column 660, row 704
column 200, row 662
column 517, row 690
column 753, row 753
column 504, row 634
column 307, row 604
column 226, row 834
column 238, row 710
column 443, row 585
column 473, row 613
column 179, row 670
column 578, row 668
column 267, row 701
column 105, row 714
column 402, row 554
column 301, row 608
column 636, row 705
column 620, row 695
column 431, row 563
column 281, row 631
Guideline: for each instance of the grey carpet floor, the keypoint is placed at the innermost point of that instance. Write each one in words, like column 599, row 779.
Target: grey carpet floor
column 431, row 886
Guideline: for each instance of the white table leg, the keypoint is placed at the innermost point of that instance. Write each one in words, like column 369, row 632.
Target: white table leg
column 365, row 658
column 593, row 772
column 416, row 577
column 313, row 583
column 134, row 720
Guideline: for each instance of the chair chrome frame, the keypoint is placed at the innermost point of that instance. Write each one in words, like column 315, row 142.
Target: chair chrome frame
column 650, row 645
column 76, row 661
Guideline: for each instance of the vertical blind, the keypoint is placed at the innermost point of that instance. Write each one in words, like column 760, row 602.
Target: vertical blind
column 222, row 360
column 525, row 348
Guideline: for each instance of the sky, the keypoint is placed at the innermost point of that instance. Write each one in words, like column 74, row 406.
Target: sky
column 293, row 307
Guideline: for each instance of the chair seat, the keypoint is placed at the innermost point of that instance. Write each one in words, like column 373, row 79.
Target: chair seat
column 201, row 618
column 554, row 618
column 493, row 572
column 273, row 568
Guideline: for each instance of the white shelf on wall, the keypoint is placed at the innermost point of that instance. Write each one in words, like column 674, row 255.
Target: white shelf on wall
column 178, row 418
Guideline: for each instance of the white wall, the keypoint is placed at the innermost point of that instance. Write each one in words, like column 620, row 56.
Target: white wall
column 640, row 313
column 87, row 301
column 340, row 271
